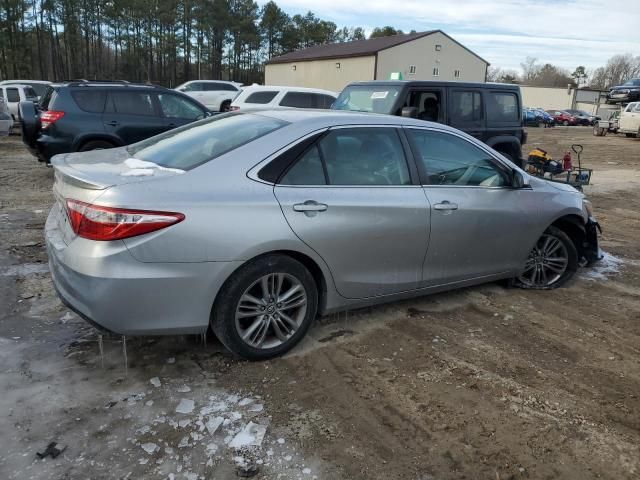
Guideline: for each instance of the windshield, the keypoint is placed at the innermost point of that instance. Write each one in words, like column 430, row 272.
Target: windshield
column 367, row 98
column 633, row 83
column 194, row 144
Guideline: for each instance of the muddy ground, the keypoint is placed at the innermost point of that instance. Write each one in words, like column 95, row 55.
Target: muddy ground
column 481, row 383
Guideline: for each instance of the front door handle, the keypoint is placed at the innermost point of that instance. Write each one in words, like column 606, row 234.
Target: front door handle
column 310, row 206
column 445, row 205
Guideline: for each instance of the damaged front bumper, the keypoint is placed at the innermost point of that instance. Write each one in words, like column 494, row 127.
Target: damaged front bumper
column 590, row 247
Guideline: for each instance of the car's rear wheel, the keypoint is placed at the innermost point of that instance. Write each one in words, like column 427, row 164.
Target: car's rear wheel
column 265, row 308
column 565, row 123
column 96, row 145
column 551, row 263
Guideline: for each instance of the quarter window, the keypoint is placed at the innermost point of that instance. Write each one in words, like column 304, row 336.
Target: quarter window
column 176, row 107
column 353, row 156
column 324, row 101
column 450, row 160
column 13, row 95
column 92, row 101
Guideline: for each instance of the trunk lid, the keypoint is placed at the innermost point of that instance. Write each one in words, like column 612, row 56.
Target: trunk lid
column 87, row 176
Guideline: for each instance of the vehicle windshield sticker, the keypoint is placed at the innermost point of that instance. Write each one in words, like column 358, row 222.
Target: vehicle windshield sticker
column 375, row 95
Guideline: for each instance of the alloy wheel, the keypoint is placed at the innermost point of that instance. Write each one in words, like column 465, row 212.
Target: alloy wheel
column 271, row 310
column 546, row 264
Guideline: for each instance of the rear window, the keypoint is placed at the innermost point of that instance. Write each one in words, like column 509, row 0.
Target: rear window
column 90, row 101
column 30, row 93
column 197, row 143
column 48, row 98
column 13, row 95
column 466, row 108
column 261, row 97
column 40, row 88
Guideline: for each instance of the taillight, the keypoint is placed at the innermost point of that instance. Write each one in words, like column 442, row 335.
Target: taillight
column 233, row 108
column 95, row 222
column 49, row 117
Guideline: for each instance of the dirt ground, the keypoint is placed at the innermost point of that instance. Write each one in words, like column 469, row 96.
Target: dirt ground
column 480, row 383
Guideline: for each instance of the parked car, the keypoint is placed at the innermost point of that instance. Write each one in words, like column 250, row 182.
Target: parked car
column 250, row 223
column 81, row 116
column 629, row 121
column 14, row 94
column 582, row 117
column 532, row 118
column 273, row 97
column 216, row 95
column 547, row 118
column 40, row 86
column 627, row 92
column 490, row 112
column 6, row 122
column 562, row 117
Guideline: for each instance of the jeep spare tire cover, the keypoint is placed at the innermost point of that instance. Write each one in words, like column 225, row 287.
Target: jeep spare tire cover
column 29, row 120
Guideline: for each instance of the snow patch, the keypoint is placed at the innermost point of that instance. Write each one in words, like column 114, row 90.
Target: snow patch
column 185, row 406
column 143, row 165
column 155, row 381
column 251, row 435
column 149, row 447
column 605, row 268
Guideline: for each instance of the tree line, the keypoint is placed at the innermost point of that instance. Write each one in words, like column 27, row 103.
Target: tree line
column 160, row 41
column 616, row 71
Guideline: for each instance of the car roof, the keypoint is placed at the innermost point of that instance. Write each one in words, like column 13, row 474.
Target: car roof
column 328, row 118
column 24, row 81
column 419, row 83
column 262, row 88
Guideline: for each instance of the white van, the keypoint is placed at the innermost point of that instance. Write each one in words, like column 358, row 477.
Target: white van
column 270, row 97
column 216, row 95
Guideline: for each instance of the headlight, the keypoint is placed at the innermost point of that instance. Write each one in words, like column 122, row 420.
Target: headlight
column 588, row 207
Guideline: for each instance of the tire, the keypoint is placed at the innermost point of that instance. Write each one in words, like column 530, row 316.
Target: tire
column 629, row 135
column 511, row 156
column 96, row 145
column 565, row 249
column 225, row 106
column 239, row 305
column 565, row 123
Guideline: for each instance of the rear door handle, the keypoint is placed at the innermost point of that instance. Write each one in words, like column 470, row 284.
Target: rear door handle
column 113, row 123
column 310, row 206
column 446, row 205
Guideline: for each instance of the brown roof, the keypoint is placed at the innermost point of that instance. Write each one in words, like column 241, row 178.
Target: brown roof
column 358, row 48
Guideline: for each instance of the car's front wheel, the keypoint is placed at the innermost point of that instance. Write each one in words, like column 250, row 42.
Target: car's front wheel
column 551, row 263
column 265, row 308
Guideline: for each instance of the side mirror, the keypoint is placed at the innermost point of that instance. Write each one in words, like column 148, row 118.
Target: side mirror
column 410, row 112
column 517, row 179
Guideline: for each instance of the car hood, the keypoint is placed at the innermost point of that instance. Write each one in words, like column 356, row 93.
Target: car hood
column 101, row 169
column 537, row 182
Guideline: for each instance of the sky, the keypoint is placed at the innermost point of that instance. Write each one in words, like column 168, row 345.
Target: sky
column 566, row 33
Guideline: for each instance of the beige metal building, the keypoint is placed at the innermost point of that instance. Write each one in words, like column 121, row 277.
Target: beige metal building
column 432, row 55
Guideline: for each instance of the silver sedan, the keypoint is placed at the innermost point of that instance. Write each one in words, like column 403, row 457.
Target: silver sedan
column 254, row 223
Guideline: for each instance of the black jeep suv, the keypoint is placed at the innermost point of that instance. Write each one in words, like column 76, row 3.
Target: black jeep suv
column 628, row 92
column 80, row 115
column 491, row 112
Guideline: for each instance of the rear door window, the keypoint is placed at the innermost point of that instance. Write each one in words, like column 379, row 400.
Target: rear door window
column 324, row 101
column 131, row 103
column 261, row 97
column 89, row 101
column 466, row 108
column 297, row 100
column 502, row 107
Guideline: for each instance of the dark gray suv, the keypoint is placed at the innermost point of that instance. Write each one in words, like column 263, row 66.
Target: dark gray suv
column 80, row 116
column 491, row 112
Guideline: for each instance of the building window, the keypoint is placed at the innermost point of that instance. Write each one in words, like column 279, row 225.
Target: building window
column 456, row 73
column 412, row 70
column 438, row 48
column 436, row 72
column 293, row 67
column 337, row 64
